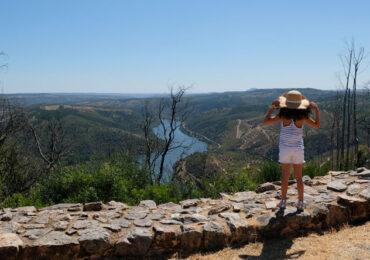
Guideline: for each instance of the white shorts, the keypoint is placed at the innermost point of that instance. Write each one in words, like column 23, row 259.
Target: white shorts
column 291, row 155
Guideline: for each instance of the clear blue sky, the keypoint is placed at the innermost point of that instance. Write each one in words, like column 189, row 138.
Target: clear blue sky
column 144, row 46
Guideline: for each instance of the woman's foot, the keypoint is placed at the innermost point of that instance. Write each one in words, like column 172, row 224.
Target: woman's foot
column 300, row 205
column 282, row 204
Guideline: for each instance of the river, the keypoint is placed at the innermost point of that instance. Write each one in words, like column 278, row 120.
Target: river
column 192, row 145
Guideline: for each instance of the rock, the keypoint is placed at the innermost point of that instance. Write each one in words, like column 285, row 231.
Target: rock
column 266, row 195
column 165, row 237
column 365, row 194
column 357, row 207
column 9, row 227
column 53, row 244
column 265, row 187
column 364, row 174
column 33, row 226
column 224, row 195
column 265, row 220
column 307, row 180
column 82, row 224
column 170, row 206
column 242, row 232
column 43, row 218
column 170, row 222
column 187, row 219
column 324, row 197
column 155, row 216
column 71, row 232
column 34, row 234
column 336, row 173
column 111, row 227
column 190, row 239
column 354, row 189
column 75, row 209
column 189, row 203
column 229, row 216
column 112, row 214
column 61, row 226
column 136, row 215
column 143, row 222
column 214, row 236
column 311, row 191
column 7, row 217
column 100, row 219
column 292, row 192
column 361, row 169
column 290, row 182
column 337, row 215
column 150, row 204
column 117, row 205
column 123, row 223
column 135, row 243
column 26, row 210
column 62, row 206
column 93, row 206
column 243, row 196
column 321, row 180
column 219, row 208
column 188, row 210
column 10, row 245
column 271, row 204
column 94, row 240
column 63, row 217
column 22, row 219
column 237, row 207
column 336, row 186
column 294, row 218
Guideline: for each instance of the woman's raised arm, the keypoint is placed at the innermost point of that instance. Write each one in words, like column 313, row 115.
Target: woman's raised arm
column 268, row 120
column 314, row 123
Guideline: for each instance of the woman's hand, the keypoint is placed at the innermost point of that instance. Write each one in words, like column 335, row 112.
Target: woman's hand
column 276, row 103
column 313, row 105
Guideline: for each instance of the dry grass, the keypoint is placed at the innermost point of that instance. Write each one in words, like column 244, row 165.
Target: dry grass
column 347, row 243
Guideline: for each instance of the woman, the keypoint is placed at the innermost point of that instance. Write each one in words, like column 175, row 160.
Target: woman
column 294, row 112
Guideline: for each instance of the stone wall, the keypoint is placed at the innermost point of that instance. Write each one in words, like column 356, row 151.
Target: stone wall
column 98, row 231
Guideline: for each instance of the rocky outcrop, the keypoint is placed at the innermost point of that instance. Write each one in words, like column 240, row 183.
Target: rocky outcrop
column 97, row 230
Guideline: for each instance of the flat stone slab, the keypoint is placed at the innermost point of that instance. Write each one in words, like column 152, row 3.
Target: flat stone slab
column 10, row 244
column 94, row 240
column 337, row 186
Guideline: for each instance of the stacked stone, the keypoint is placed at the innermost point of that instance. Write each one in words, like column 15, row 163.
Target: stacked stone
column 97, row 230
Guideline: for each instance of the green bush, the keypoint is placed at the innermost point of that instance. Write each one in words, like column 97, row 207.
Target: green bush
column 269, row 171
column 314, row 168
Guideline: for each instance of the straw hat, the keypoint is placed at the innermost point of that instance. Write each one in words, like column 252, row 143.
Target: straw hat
column 294, row 100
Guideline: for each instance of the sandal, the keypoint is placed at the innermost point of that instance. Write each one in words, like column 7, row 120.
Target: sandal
column 300, row 205
column 282, row 204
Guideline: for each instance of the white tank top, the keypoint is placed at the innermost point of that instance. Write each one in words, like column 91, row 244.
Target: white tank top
column 291, row 136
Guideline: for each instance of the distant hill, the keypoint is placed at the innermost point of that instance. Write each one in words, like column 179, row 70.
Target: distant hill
column 104, row 123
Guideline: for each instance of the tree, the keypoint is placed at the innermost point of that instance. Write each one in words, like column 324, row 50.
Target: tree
column 171, row 114
column 54, row 148
column 348, row 135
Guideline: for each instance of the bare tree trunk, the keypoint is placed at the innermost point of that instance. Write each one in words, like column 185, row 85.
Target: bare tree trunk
column 332, row 143
column 347, row 63
column 348, row 129
column 357, row 61
column 177, row 115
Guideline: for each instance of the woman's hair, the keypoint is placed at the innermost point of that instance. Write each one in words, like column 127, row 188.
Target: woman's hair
column 295, row 114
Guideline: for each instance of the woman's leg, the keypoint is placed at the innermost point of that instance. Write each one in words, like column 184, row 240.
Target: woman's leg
column 298, row 177
column 285, row 168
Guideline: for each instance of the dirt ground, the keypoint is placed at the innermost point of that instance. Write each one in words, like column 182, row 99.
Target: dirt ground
column 350, row 242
